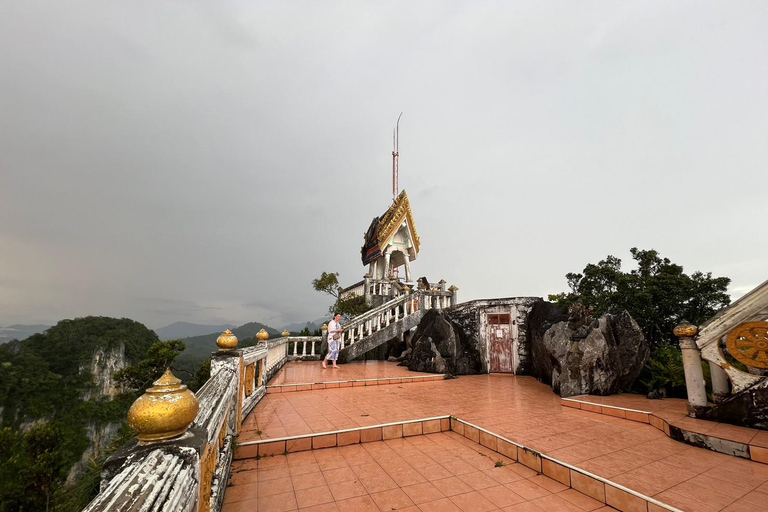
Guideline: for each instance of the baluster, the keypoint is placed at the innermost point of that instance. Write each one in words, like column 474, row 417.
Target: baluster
column 295, row 348
column 304, row 348
column 351, row 335
column 313, row 347
column 343, row 336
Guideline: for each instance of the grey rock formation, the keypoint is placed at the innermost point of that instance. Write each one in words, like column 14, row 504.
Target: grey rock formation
column 603, row 358
column 747, row 409
column 441, row 346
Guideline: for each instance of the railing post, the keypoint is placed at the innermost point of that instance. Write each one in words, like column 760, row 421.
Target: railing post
column 454, row 295
column 313, row 347
column 694, row 376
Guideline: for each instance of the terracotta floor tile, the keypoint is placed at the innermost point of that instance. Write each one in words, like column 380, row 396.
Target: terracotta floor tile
column 333, row 476
column 392, row 500
column 241, row 492
column 435, row 472
column 344, row 490
column 378, row 483
column 477, row 480
column 278, row 503
column 582, row 501
column 358, row 504
column 276, row 486
column 451, row 486
column 472, row 502
column 240, row 506
column 527, row 489
column 325, row 507
column 307, row 481
column 524, row 507
column 422, row 493
column 555, row 502
column 501, row 496
column 549, row 484
column 442, row 505
column 313, row 496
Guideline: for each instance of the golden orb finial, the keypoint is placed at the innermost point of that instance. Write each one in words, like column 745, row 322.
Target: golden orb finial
column 453, row 288
column 285, row 333
column 686, row 329
column 325, row 327
column 262, row 335
column 227, row 340
column 165, row 411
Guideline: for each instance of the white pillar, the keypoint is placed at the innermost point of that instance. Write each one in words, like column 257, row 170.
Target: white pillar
column 407, row 267
column 386, row 265
column 720, row 389
column 694, row 376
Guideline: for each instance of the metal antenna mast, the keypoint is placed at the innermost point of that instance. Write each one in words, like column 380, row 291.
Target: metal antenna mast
column 395, row 157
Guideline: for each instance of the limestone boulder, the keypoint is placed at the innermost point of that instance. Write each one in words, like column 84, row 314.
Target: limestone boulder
column 603, row 359
column 439, row 345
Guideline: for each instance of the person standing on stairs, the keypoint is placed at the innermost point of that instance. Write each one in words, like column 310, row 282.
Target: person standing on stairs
column 334, row 341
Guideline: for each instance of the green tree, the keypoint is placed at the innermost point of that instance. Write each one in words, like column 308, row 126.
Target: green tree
column 658, row 293
column 159, row 357
column 348, row 307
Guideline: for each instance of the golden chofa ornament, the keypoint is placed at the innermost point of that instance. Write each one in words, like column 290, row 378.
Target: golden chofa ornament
column 286, row 333
column 686, row 329
column 227, row 340
column 262, row 336
column 164, row 412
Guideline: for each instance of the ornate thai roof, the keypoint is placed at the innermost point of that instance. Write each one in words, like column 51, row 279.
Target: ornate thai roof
column 383, row 228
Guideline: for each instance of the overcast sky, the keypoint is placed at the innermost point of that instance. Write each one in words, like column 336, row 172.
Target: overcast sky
column 204, row 161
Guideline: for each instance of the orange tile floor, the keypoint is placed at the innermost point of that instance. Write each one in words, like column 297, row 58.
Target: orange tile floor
column 442, row 472
column 301, row 372
column 526, row 411
column 675, row 411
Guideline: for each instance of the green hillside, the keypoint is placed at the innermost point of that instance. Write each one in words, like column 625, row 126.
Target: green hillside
column 200, row 348
column 44, row 416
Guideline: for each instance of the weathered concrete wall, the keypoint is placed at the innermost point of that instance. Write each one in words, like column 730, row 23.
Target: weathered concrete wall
column 471, row 317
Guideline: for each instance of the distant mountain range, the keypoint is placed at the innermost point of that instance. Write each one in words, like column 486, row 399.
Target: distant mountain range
column 180, row 330
column 20, row 332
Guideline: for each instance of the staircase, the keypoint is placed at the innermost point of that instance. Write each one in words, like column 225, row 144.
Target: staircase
column 390, row 320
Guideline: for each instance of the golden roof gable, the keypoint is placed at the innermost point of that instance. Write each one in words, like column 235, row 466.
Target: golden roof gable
column 391, row 220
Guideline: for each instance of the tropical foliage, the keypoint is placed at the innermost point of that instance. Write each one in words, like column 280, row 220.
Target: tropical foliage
column 659, row 295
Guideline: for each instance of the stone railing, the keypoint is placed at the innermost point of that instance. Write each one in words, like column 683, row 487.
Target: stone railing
column 186, row 470
column 393, row 311
column 305, row 347
column 277, row 356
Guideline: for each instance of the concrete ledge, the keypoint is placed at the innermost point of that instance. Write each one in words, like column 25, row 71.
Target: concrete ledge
column 596, row 487
column 383, row 381
column 698, row 439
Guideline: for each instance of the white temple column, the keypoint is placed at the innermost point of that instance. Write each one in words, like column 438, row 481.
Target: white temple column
column 720, row 389
column 694, row 376
column 386, row 265
column 407, row 267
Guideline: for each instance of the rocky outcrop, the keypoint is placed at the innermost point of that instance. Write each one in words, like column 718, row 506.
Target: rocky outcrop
column 101, row 435
column 747, row 409
column 103, row 365
column 440, row 345
column 604, row 357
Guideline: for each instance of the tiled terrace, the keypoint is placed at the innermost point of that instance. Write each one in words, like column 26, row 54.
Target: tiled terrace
column 635, row 455
column 442, row 472
column 674, row 413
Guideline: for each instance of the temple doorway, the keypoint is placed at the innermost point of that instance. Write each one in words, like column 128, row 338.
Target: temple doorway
column 502, row 336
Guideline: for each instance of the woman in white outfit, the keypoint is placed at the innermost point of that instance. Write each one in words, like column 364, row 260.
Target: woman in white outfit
column 334, row 341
